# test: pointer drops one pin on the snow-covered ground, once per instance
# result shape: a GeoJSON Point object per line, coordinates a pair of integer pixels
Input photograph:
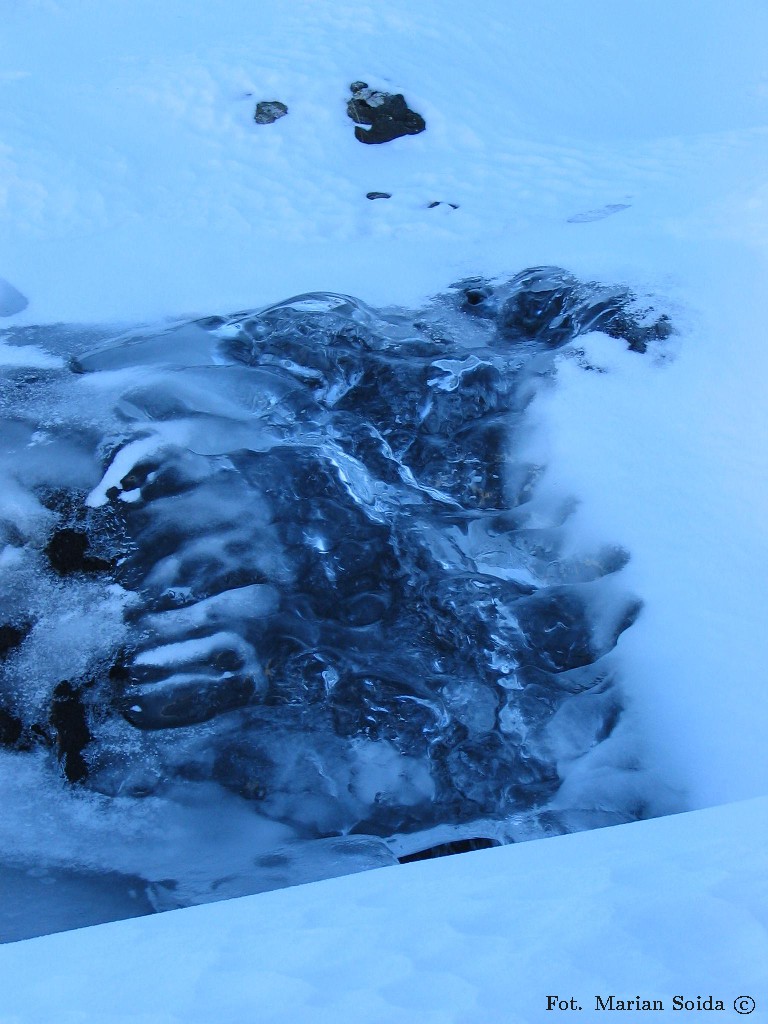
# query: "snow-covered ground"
{"type": "Point", "coordinates": [656, 909]}
{"type": "Point", "coordinates": [627, 142]}
{"type": "Point", "coordinates": [136, 185]}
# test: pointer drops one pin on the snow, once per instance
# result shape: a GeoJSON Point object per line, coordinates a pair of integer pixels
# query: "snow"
{"type": "Point", "coordinates": [136, 184]}
{"type": "Point", "coordinates": [673, 906]}
{"type": "Point", "coordinates": [31, 355]}
{"type": "Point", "coordinates": [671, 461]}
{"type": "Point", "coordinates": [625, 142]}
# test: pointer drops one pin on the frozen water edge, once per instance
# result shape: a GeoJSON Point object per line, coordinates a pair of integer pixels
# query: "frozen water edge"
{"type": "Point", "coordinates": [323, 580]}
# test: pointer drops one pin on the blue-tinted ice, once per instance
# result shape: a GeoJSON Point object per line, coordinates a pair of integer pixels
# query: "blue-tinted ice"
{"type": "Point", "coordinates": [293, 553]}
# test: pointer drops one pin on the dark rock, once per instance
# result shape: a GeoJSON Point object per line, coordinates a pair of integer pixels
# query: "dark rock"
{"type": "Point", "coordinates": [10, 728]}
{"type": "Point", "coordinates": [68, 718]}
{"type": "Point", "coordinates": [438, 202]}
{"type": "Point", "coordinates": [478, 297]}
{"type": "Point", "coordinates": [480, 302]}
{"type": "Point", "coordinates": [388, 115]}
{"type": "Point", "coordinates": [378, 195]}
{"type": "Point", "coordinates": [66, 551]}
{"type": "Point", "coordinates": [269, 111]}
{"type": "Point", "coordinates": [483, 771]}
{"type": "Point", "coordinates": [11, 636]}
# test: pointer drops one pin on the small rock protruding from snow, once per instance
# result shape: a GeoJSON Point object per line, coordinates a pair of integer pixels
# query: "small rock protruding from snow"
{"type": "Point", "coordinates": [11, 299]}
{"type": "Point", "coordinates": [378, 195]}
{"type": "Point", "coordinates": [269, 111]}
{"type": "Point", "coordinates": [11, 635]}
{"type": "Point", "coordinates": [387, 114]}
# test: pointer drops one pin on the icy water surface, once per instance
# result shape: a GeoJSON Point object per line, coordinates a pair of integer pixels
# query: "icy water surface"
{"type": "Point", "coordinates": [279, 599]}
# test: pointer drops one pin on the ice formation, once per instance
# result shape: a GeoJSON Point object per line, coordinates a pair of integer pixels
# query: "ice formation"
{"type": "Point", "coordinates": [291, 557]}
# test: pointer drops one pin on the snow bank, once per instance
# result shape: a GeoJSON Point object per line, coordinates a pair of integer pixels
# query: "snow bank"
{"type": "Point", "coordinates": [660, 908]}
{"type": "Point", "coordinates": [671, 458]}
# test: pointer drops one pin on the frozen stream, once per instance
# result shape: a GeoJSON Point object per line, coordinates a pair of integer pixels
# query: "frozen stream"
{"type": "Point", "coordinates": [280, 598]}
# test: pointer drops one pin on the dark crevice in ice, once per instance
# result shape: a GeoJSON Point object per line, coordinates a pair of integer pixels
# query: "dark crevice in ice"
{"type": "Point", "coordinates": [448, 849]}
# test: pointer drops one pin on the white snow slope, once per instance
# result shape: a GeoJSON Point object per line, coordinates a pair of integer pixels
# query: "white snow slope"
{"type": "Point", "coordinates": [670, 907]}
{"type": "Point", "coordinates": [625, 141]}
